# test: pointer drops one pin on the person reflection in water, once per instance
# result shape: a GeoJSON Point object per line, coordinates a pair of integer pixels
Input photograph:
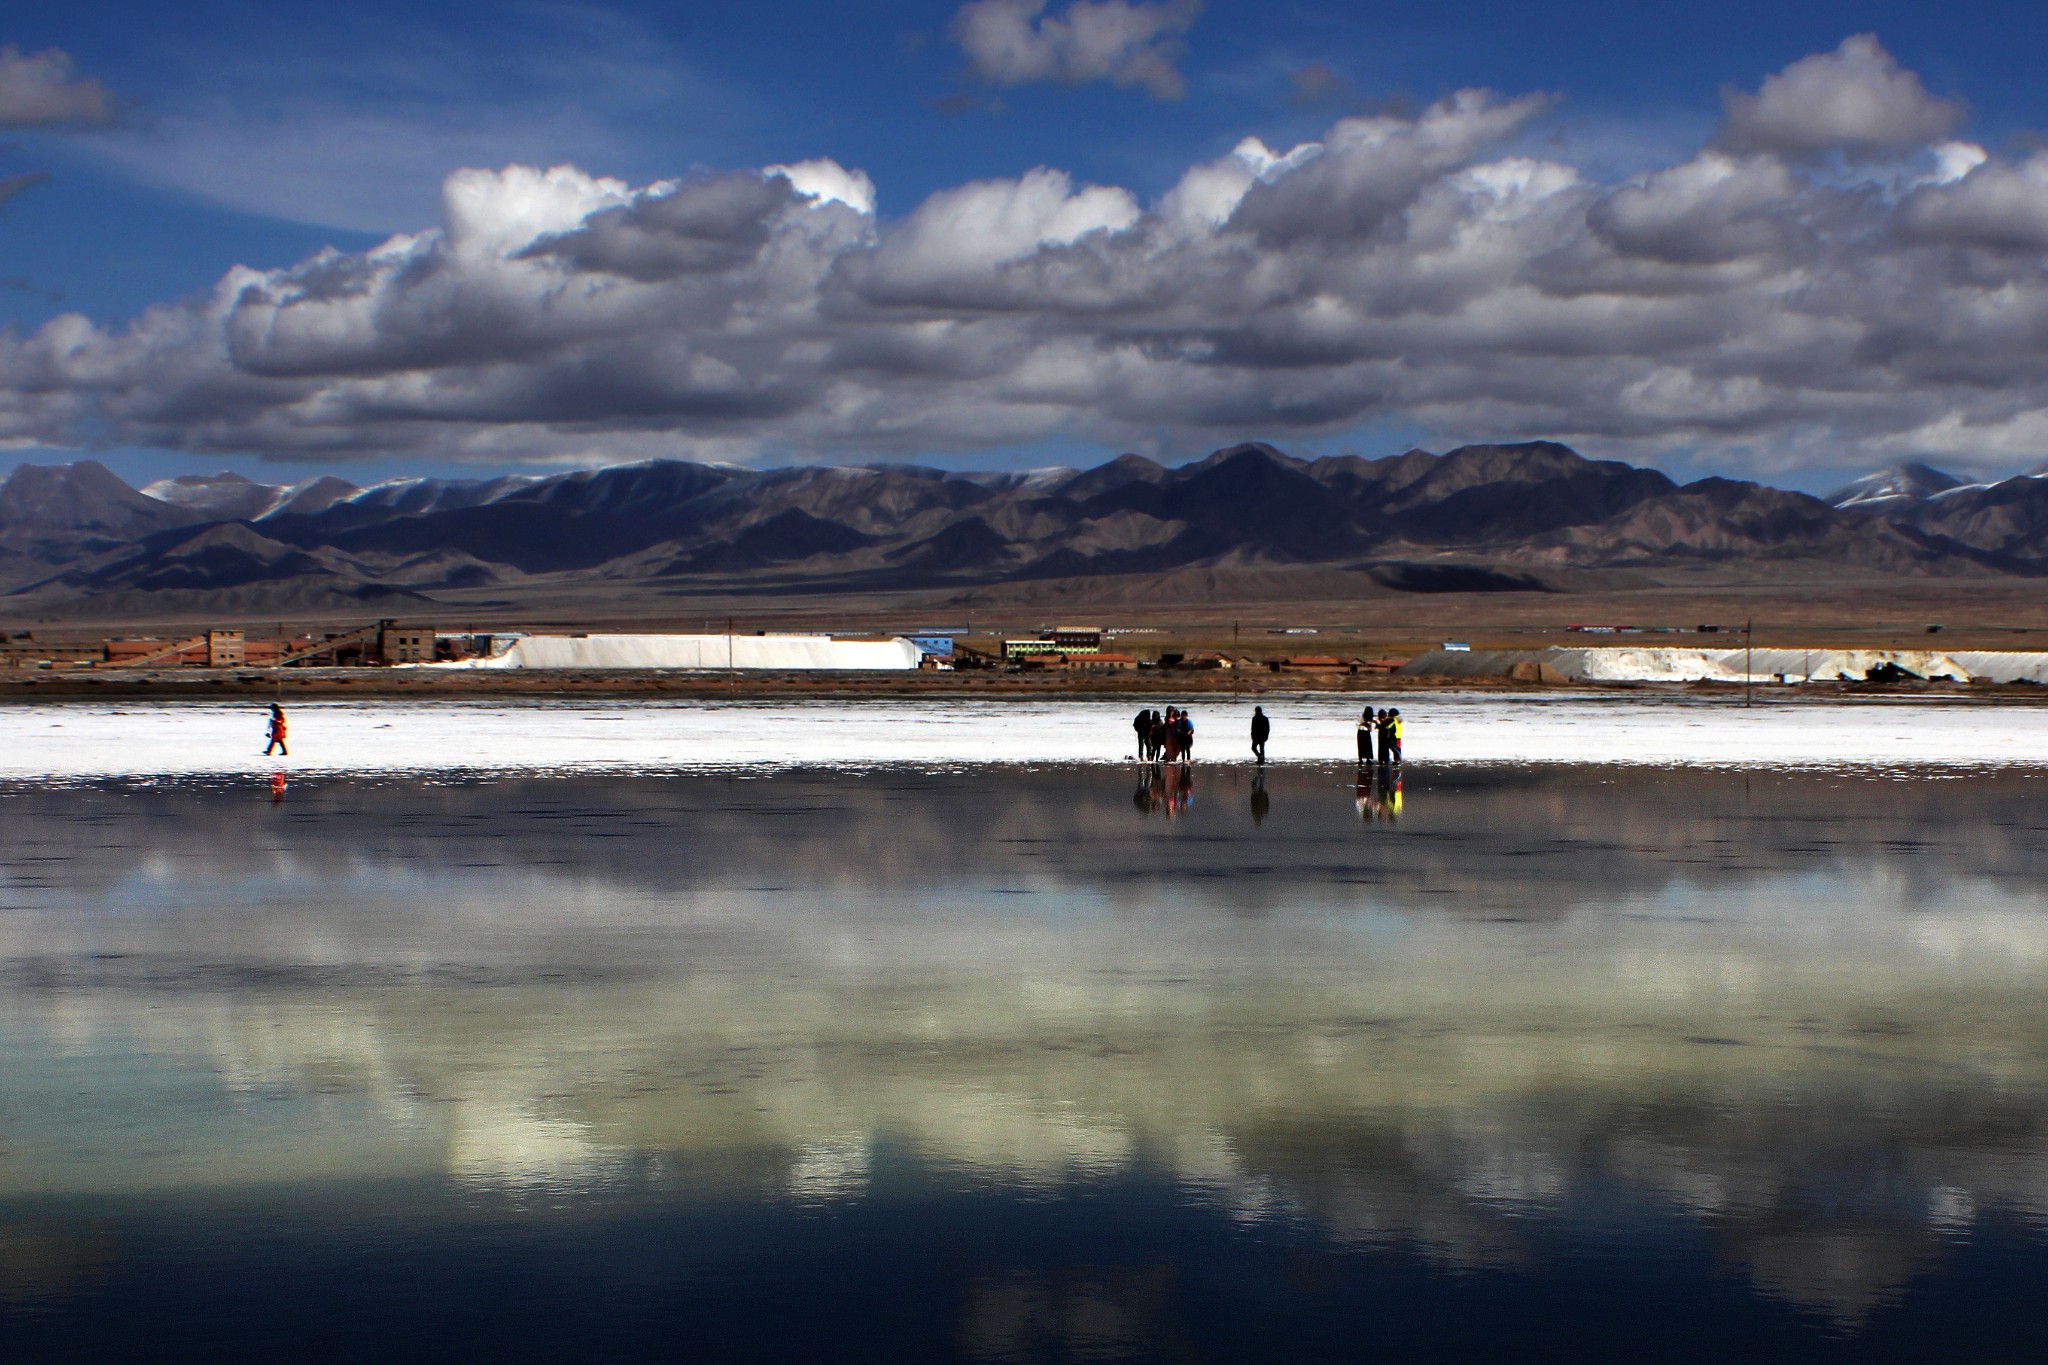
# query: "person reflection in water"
{"type": "Point", "coordinates": [277, 789]}
{"type": "Point", "coordinates": [1377, 794]}
{"type": "Point", "coordinates": [1165, 783]}
{"type": "Point", "coordinates": [1151, 790]}
{"type": "Point", "coordinates": [1261, 803]}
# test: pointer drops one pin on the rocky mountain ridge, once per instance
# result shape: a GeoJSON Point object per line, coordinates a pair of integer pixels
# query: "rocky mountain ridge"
{"type": "Point", "coordinates": [1524, 517]}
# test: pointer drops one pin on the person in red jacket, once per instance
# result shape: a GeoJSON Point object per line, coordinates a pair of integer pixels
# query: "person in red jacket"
{"type": "Point", "coordinates": [276, 732]}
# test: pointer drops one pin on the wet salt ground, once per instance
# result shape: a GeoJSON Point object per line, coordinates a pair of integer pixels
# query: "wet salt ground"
{"type": "Point", "coordinates": [1564, 1062]}
{"type": "Point", "coordinates": [69, 741]}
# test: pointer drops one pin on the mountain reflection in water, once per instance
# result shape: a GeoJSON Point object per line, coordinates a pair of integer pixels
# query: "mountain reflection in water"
{"type": "Point", "coordinates": [1794, 1025]}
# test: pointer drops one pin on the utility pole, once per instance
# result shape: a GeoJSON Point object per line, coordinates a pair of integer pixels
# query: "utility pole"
{"type": "Point", "coordinates": [1748, 672]}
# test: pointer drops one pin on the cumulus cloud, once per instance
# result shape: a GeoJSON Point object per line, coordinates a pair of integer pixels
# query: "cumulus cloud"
{"type": "Point", "coordinates": [1014, 42]}
{"type": "Point", "coordinates": [1420, 270]}
{"type": "Point", "coordinates": [1999, 206]}
{"type": "Point", "coordinates": [1713, 208]}
{"type": "Point", "coordinates": [39, 89]}
{"type": "Point", "coordinates": [1856, 100]}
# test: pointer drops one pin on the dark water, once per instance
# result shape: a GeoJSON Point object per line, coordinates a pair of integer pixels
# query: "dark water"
{"type": "Point", "coordinates": [1542, 1065]}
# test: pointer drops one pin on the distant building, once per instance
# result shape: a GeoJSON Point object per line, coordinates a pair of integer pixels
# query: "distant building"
{"type": "Point", "coordinates": [152, 652]}
{"type": "Point", "coordinates": [24, 652]}
{"type": "Point", "coordinates": [226, 649]}
{"type": "Point", "coordinates": [1062, 640]}
{"type": "Point", "coordinates": [405, 644]}
{"type": "Point", "coordinates": [1076, 639]}
{"type": "Point", "coordinates": [1098, 662]}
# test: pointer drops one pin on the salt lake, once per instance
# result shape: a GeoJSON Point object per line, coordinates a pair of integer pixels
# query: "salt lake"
{"type": "Point", "coordinates": [718, 1053]}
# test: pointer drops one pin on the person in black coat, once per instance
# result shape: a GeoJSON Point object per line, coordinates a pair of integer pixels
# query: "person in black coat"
{"type": "Point", "coordinates": [1261, 728]}
{"type": "Point", "coordinates": [1143, 725]}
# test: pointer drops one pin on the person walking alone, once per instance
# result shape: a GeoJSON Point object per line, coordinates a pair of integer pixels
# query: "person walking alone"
{"type": "Point", "coordinates": [1261, 727]}
{"type": "Point", "coordinates": [277, 728]}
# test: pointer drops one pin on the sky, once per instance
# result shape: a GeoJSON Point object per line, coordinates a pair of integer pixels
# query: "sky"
{"type": "Point", "coordinates": [1784, 241]}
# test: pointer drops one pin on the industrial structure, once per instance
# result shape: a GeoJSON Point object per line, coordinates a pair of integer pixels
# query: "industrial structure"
{"type": "Point", "coordinates": [1066, 642]}
{"type": "Point", "coordinates": [380, 642]}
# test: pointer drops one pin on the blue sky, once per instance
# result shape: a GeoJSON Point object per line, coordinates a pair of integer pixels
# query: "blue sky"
{"type": "Point", "coordinates": [257, 135]}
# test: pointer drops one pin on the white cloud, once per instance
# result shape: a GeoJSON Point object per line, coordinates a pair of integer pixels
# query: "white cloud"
{"type": "Point", "coordinates": [1207, 195]}
{"type": "Point", "coordinates": [2002, 206]}
{"type": "Point", "coordinates": [39, 89]}
{"type": "Point", "coordinates": [1014, 42]}
{"type": "Point", "coordinates": [1857, 100]}
{"type": "Point", "coordinates": [828, 180]}
{"type": "Point", "coordinates": [1954, 160]}
{"type": "Point", "coordinates": [1412, 272]}
{"type": "Point", "coordinates": [486, 212]}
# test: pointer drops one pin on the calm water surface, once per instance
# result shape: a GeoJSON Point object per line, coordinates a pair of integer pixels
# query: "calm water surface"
{"type": "Point", "coordinates": [1562, 1064]}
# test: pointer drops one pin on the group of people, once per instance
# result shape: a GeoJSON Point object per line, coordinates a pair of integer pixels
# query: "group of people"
{"type": "Point", "coordinates": [1379, 737]}
{"type": "Point", "coordinates": [1169, 738]}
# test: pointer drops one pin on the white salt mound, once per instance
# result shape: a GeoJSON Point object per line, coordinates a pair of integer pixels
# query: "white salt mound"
{"type": "Point", "coordinates": [1651, 663]}
{"type": "Point", "coordinates": [704, 652]}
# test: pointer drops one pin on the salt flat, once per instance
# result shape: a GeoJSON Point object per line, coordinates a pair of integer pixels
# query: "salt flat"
{"type": "Point", "coordinates": [59, 741]}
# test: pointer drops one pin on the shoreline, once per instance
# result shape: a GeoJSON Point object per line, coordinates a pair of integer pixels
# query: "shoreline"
{"type": "Point", "coordinates": [28, 686]}
{"type": "Point", "coordinates": [74, 739]}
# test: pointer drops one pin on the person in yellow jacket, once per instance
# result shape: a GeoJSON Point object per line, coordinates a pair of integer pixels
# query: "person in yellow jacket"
{"type": "Point", "coordinates": [1391, 751]}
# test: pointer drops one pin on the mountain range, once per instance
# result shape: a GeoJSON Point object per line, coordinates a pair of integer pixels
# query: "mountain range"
{"type": "Point", "coordinates": [1535, 516]}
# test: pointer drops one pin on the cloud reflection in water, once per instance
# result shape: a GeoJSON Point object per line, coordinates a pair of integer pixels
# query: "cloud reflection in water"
{"type": "Point", "coordinates": [1803, 1013]}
